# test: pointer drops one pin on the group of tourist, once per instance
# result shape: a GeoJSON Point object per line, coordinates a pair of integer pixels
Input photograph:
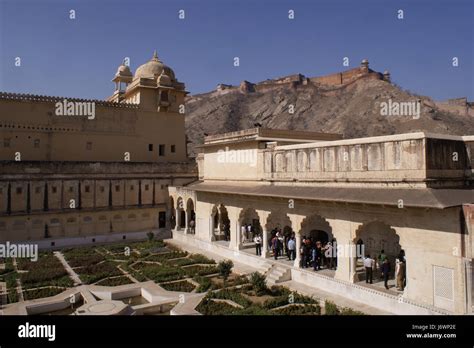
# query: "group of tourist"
{"type": "Point", "coordinates": [247, 232]}
{"type": "Point", "coordinates": [383, 264]}
{"type": "Point", "coordinates": [317, 254]}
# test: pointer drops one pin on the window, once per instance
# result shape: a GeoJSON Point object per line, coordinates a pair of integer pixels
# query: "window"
{"type": "Point", "coordinates": [1, 190]}
{"type": "Point", "coordinates": [173, 148]}
{"type": "Point", "coordinates": [37, 190]}
{"type": "Point", "coordinates": [131, 187]}
{"type": "Point", "coordinates": [150, 147]}
{"type": "Point", "coordinates": [54, 189]}
{"type": "Point", "coordinates": [117, 188]}
{"type": "Point", "coordinates": [147, 187]}
{"type": "Point", "coordinates": [19, 190]}
{"type": "Point", "coordinates": [37, 143]}
{"type": "Point", "coordinates": [89, 145]}
{"type": "Point", "coordinates": [161, 151]}
{"type": "Point", "coordinates": [87, 188]}
{"type": "Point", "coordinates": [6, 142]}
{"type": "Point", "coordinates": [164, 96]}
{"type": "Point", "coordinates": [102, 189]}
{"type": "Point", "coordinates": [71, 189]}
{"type": "Point", "coordinates": [162, 187]}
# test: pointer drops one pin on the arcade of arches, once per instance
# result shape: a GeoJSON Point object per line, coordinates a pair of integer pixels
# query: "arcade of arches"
{"type": "Point", "coordinates": [225, 227]}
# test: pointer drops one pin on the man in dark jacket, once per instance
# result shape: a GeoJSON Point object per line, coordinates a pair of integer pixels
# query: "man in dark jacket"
{"type": "Point", "coordinates": [385, 271]}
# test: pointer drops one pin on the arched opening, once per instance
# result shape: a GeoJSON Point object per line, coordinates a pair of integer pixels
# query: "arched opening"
{"type": "Point", "coordinates": [191, 216]}
{"type": "Point", "coordinates": [319, 248]}
{"type": "Point", "coordinates": [279, 229]}
{"type": "Point", "coordinates": [379, 242]}
{"type": "Point", "coordinates": [220, 223]}
{"type": "Point", "coordinates": [249, 225]}
{"type": "Point", "coordinates": [180, 214]}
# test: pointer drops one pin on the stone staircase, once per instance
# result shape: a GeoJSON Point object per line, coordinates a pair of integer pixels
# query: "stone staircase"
{"type": "Point", "coordinates": [264, 267]}
{"type": "Point", "coordinates": [278, 274]}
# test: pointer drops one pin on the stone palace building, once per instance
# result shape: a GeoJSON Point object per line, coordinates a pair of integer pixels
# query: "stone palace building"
{"type": "Point", "coordinates": [71, 177]}
{"type": "Point", "coordinates": [408, 191]}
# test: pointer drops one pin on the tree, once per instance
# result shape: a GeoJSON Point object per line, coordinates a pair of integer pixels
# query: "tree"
{"type": "Point", "coordinates": [259, 283]}
{"type": "Point", "coordinates": [150, 236]}
{"type": "Point", "coordinates": [225, 269]}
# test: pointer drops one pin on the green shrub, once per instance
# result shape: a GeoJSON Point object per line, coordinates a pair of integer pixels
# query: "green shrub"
{"type": "Point", "coordinates": [182, 286]}
{"type": "Point", "coordinates": [299, 310]}
{"type": "Point", "coordinates": [161, 273]}
{"type": "Point", "coordinates": [117, 281]}
{"type": "Point", "coordinates": [204, 283]}
{"type": "Point", "coordinates": [232, 295]}
{"type": "Point", "coordinates": [209, 307]}
{"type": "Point", "coordinates": [288, 299]}
{"type": "Point", "coordinates": [166, 256]}
{"type": "Point", "coordinates": [41, 293]}
{"type": "Point", "coordinates": [93, 273]}
{"type": "Point", "coordinates": [350, 311]}
{"type": "Point", "coordinates": [259, 283]}
{"type": "Point", "coordinates": [331, 308]}
{"type": "Point", "coordinates": [8, 266]}
{"type": "Point", "coordinates": [199, 258]}
{"type": "Point", "coordinates": [150, 236]}
{"type": "Point", "coordinates": [200, 270]}
{"type": "Point", "coordinates": [225, 269]}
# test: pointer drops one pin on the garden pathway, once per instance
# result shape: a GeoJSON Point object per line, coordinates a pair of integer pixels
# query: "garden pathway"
{"type": "Point", "coordinates": [72, 274]}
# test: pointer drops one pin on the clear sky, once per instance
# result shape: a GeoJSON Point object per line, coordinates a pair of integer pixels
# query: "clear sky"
{"type": "Point", "coordinates": [78, 58]}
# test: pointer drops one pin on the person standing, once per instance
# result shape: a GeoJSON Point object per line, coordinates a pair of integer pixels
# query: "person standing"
{"type": "Point", "coordinates": [381, 260]}
{"type": "Point", "coordinates": [386, 272]}
{"type": "Point", "coordinates": [275, 243]}
{"type": "Point", "coordinates": [369, 264]}
{"type": "Point", "coordinates": [249, 232]}
{"type": "Point", "coordinates": [400, 272]}
{"type": "Point", "coordinates": [243, 231]}
{"type": "Point", "coordinates": [258, 244]}
{"type": "Point", "coordinates": [291, 249]}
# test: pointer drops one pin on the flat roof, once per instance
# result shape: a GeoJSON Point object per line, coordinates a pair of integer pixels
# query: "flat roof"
{"type": "Point", "coordinates": [412, 197]}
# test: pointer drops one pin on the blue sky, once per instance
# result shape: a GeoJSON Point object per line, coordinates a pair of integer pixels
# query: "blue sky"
{"type": "Point", "coordinates": [78, 58]}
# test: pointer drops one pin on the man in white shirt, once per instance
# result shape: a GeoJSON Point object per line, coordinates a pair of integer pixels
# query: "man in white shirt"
{"type": "Point", "coordinates": [369, 264]}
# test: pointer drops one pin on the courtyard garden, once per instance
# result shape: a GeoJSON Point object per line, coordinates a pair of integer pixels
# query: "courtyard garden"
{"type": "Point", "coordinates": [227, 293]}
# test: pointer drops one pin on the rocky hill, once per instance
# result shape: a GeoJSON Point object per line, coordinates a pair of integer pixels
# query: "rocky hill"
{"type": "Point", "coordinates": [353, 109]}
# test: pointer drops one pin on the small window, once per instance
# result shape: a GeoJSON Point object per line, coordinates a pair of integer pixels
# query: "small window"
{"type": "Point", "coordinates": [102, 189]}
{"type": "Point", "coordinates": [164, 96]}
{"type": "Point", "coordinates": [1, 190]}
{"type": "Point", "coordinates": [37, 143]}
{"type": "Point", "coordinates": [87, 188]}
{"type": "Point", "coordinates": [131, 187]}
{"type": "Point", "coordinates": [54, 189]}
{"type": "Point", "coordinates": [161, 150]}
{"type": "Point", "coordinates": [37, 190]}
{"type": "Point", "coordinates": [150, 147]}
{"type": "Point", "coordinates": [6, 142]}
{"type": "Point", "coordinates": [19, 190]}
{"type": "Point", "coordinates": [147, 187]}
{"type": "Point", "coordinates": [162, 187]}
{"type": "Point", "coordinates": [173, 148]}
{"type": "Point", "coordinates": [89, 145]}
{"type": "Point", "coordinates": [117, 188]}
{"type": "Point", "coordinates": [71, 189]}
